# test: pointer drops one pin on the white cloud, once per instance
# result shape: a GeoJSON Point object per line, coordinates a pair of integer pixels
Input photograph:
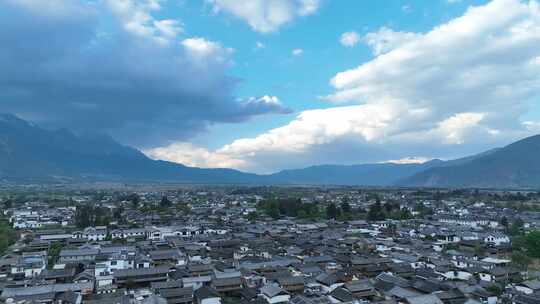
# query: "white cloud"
{"type": "Point", "coordinates": [266, 16]}
{"type": "Point", "coordinates": [264, 104]}
{"type": "Point", "coordinates": [533, 126]}
{"type": "Point", "coordinates": [169, 28]}
{"type": "Point", "coordinates": [409, 160]}
{"type": "Point", "coordinates": [137, 18]}
{"type": "Point", "coordinates": [259, 45]}
{"type": "Point", "coordinates": [349, 39]}
{"type": "Point", "coordinates": [194, 156]}
{"type": "Point", "coordinates": [297, 52]}
{"type": "Point", "coordinates": [455, 128]}
{"type": "Point", "coordinates": [204, 52]}
{"type": "Point", "coordinates": [386, 40]}
{"type": "Point", "coordinates": [458, 89]}
{"type": "Point", "coordinates": [144, 82]}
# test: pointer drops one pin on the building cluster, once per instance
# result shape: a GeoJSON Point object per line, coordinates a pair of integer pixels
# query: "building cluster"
{"type": "Point", "coordinates": [460, 254]}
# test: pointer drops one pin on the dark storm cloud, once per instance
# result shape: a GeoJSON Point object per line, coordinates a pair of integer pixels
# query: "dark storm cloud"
{"type": "Point", "coordinates": [74, 64]}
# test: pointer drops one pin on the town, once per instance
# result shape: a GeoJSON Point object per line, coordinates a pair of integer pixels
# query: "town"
{"type": "Point", "coordinates": [224, 244]}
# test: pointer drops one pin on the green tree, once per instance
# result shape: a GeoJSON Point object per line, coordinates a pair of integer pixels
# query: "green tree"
{"type": "Point", "coordinates": [165, 202]}
{"type": "Point", "coordinates": [376, 212]}
{"type": "Point", "coordinates": [504, 222]}
{"type": "Point", "coordinates": [117, 215]}
{"type": "Point", "coordinates": [495, 289]}
{"type": "Point", "coordinates": [8, 236]}
{"type": "Point", "coordinates": [135, 200]}
{"type": "Point", "coordinates": [520, 259]}
{"type": "Point", "coordinates": [332, 211]}
{"type": "Point", "coordinates": [8, 203]}
{"type": "Point", "coordinates": [54, 253]}
{"type": "Point", "coordinates": [531, 242]}
{"type": "Point", "coordinates": [273, 210]}
{"type": "Point", "coordinates": [252, 216]}
{"type": "Point", "coordinates": [516, 227]}
{"type": "Point", "coordinates": [346, 207]}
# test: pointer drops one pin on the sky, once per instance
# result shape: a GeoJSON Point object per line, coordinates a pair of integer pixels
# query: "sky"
{"type": "Point", "coordinates": [267, 85]}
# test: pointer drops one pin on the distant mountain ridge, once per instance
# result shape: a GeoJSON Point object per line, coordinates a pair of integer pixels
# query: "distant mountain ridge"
{"type": "Point", "coordinates": [514, 166]}
{"type": "Point", "coordinates": [382, 174]}
{"type": "Point", "coordinates": [30, 153]}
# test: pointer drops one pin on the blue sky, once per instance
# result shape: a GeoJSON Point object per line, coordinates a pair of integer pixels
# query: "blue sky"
{"type": "Point", "coordinates": [298, 81]}
{"type": "Point", "coordinates": [266, 85]}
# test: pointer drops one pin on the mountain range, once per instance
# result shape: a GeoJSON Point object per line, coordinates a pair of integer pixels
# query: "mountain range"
{"type": "Point", "coordinates": [31, 153]}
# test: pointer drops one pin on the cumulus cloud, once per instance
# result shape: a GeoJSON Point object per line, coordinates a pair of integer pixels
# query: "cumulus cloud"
{"type": "Point", "coordinates": [190, 155]}
{"type": "Point", "coordinates": [264, 104]}
{"type": "Point", "coordinates": [385, 40]}
{"type": "Point", "coordinates": [266, 16]}
{"type": "Point", "coordinates": [349, 39]}
{"type": "Point", "coordinates": [204, 52]}
{"type": "Point", "coordinates": [114, 66]}
{"type": "Point", "coordinates": [457, 89]}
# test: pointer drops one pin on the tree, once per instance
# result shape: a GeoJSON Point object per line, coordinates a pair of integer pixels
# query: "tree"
{"type": "Point", "coordinates": [520, 259]}
{"type": "Point", "coordinates": [135, 200]}
{"type": "Point", "coordinates": [83, 216]}
{"type": "Point", "coordinates": [8, 236]}
{"type": "Point", "coordinates": [8, 203]}
{"type": "Point", "coordinates": [515, 228]}
{"type": "Point", "coordinates": [87, 215]}
{"type": "Point", "coordinates": [376, 212]}
{"type": "Point", "coordinates": [346, 207]}
{"type": "Point", "coordinates": [504, 222]}
{"type": "Point", "coordinates": [54, 253]}
{"type": "Point", "coordinates": [252, 216]}
{"type": "Point", "coordinates": [531, 242]}
{"type": "Point", "coordinates": [165, 202]}
{"type": "Point", "coordinates": [273, 210]}
{"type": "Point", "coordinates": [117, 215]}
{"type": "Point", "coordinates": [331, 211]}
{"type": "Point", "coordinates": [494, 289]}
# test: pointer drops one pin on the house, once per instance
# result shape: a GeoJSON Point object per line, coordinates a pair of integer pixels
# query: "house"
{"type": "Point", "coordinates": [177, 295]}
{"type": "Point", "coordinates": [274, 294]}
{"type": "Point", "coordinates": [227, 285]}
{"type": "Point", "coordinates": [140, 276]}
{"type": "Point", "coordinates": [496, 239]}
{"type": "Point", "coordinates": [528, 287]}
{"type": "Point", "coordinates": [292, 284]}
{"type": "Point", "coordinates": [525, 299]}
{"type": "Point", "coordinates": [168, 256]}
{"type": "Point", "coordinates": [44, 292]}
{"type": "Point", "coordinates": [340, 295]}
{"type": "Point", "coordinates": [137, 233]}
{"type": "Point", "coordinates": [361, 289]}
{"type": "Point", "coordinates": [206, 295]}
{"type": "Point", "coordinates": [30, 264]}
{"type": "Point", "coordinates": [328, 282]}
{"type": "Point", "coordinates": [98, 233]}
{"type": "Point", "coordinates": [78, 255]}
{"type": "Point", "coordinates": [424, 299]}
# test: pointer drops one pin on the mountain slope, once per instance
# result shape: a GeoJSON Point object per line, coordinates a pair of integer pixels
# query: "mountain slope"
{"type": "Point", "coordinates": [383, 174]}
{"type": "Point", "coordinates": [514, 166]}
{"type": "Point", "coordinates": [29, 152]}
